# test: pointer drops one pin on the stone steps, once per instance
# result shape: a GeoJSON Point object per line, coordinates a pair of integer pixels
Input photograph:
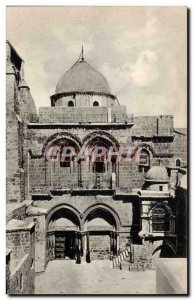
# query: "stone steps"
{"type": "Point", "coordinates": [121, 257]}
{"type": "Point", "coordinates": [134, 258]}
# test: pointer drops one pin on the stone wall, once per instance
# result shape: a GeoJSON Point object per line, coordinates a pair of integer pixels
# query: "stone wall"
{"type": "Point", "coordinates": [8, 271]}
{"type": "Point", "coordinates": [128, 176]}
{"type": "Point", "coordinates": [179, 146]}
{"type": "Point", "coordinates": [22, 264]}
{"type": "Point", "coordinates": [14, 179]}
{"type": "Point", "coordinates": [182, 221]}
{"type": "Point", "coordinates": [149, 126]}
{"type": "Point", "coordinates": [19, 108]}
{"type": "Point", "coordinates": [22, 278]}
{"type": "Point", "coordinates": [40, 244]}
{"type": "Point", "coordinates": [20, 242]}
{"type": "Point", "coordinates": [99, 246]}
{"type": "Point", "coordinates": [114, 114]}
{"type": "Point", "coordinates": [143, 254]}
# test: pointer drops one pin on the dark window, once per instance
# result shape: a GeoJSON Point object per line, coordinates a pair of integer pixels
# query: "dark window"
{"type": "Point", "coordinates": [160, 220]}
{"type": "Point", "coordinates": [95, 103]}
{"type": "Point", "coordinates": [144, 158]}
{"type": "Point", "coordinates": [65, 160]}
{"type": "Point", "coordinates": [70, 103]}
{"type": "Point", "coordinates": [161, 188]}
{"type": "Point", "coordinates": [64, 164]}
{"type": "Point", "coordinates": [15, 59]}
{"type": "Point", "coordinates": [178, 163]}
{"type": "Point", "coordinates": [98, 167]}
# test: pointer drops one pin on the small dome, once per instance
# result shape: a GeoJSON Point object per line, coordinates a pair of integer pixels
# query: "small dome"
{"type": "Point", "coordinates": [157, 173]}
{"type": "Point", "coordinates": [81, 77]}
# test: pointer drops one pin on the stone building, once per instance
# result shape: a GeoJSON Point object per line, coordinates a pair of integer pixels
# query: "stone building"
{"type": "Point", "coordinates": [121, 203]}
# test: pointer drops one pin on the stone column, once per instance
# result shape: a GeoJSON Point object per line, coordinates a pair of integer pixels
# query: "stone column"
{"type": "Point", "coordinates": [81, 245]}
{"type": "Point", "coordinates": [51, 245]}
{"type": "Point", "coordinates": [88, 248]}
{"type": "Point", "coordinates": [79, 175]}
{"type": "Point", "coordinates": [77, 247]}
{"type": "Point", "coordinates": [115, 244]}
{"type": "Point", "coordinates": [111, 245]}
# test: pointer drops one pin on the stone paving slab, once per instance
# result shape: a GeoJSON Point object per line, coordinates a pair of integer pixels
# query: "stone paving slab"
{"type": "Point", "coordinates": [66, 277]}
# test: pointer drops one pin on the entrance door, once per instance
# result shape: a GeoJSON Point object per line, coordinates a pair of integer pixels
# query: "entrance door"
{"type": "Point", "coordinates": [65, 245]}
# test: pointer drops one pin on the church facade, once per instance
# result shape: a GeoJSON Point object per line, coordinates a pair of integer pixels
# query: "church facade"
{"type": "Point", "coordinates": [86, 180]}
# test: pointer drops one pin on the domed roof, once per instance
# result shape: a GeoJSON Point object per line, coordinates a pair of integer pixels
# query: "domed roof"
{"type": "Point", "coordinates": [157, 173]}
{"type": "Point", "coordinates": [81, 77]}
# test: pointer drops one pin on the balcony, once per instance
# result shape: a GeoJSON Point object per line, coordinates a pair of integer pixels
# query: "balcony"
{"type": "Point", "coordinates": [94, 184]}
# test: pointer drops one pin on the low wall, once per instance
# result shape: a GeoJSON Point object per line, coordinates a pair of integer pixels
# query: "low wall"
{"type": "Point", "coordinates": [22, 278]}
{"type": "Point", "coordinates": [171, 276]}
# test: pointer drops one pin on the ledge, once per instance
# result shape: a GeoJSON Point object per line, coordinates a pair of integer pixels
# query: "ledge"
{"type": "Point", "coordinates": [19, 225]}
{"type": "Point", "coordinates": [79, 125]}
{"type": "Point", "coordinates": [153, 194]}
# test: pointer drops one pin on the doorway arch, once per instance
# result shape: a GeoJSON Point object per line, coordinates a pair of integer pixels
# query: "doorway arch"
{"type": "Point", "coordinates": [63, 233]}
{"type": "Point", "coordinates": [101, 224]}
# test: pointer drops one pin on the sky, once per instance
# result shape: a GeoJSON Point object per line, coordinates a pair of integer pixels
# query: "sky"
{"type": "Point", "coordinates": [140, 50]}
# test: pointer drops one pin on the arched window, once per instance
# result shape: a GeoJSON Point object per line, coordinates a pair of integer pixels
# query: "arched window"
{"type": "Point", "coordinates": [95, 103]}
{"type": "Point", "coordinates": [160, 219]}
{"type": "Point", "coordinates": [144, 161]}
{"type": "Point", "coordinates": [178, 162]}
{"type": "Point", "coordinates": [70, 103]}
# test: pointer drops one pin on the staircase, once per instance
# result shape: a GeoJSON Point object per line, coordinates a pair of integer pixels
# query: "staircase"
{"type": "Point", "coordinates": [116, 262]}
{"type": "Point", "coordinates": [133, 258]}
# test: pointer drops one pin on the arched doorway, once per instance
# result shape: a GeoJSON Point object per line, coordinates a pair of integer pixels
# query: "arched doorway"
{"type": "Point", "coordinates": [100, 226]}
{"type": "Point", "coordinates": [64, 240]}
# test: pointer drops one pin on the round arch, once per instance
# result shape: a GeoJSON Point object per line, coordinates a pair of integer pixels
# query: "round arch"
{"type": "Point", "coordinates": [100, 134]}
{"type": "Point", "coordinates": [66, 207]}
{"type": "Point", "coordinates": [58, 136]}
{"type": "Point", "coordinates": [146, 147]}
{"type": "Point", "coordinates": [101, 206]}
{"type": "Point", "coordinates": [178, 162]}
{"type": "Point", "coordinates": [160, 205]}
{"type": "Point", "coordinates": [165, 248]}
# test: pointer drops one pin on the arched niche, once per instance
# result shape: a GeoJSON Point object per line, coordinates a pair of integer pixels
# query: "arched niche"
{"type": "Point", "coordinates": [63, 214]}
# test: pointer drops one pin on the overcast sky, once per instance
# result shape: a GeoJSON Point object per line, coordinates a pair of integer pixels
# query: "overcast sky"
{"type": "Point", "coordinates": [141, 52]}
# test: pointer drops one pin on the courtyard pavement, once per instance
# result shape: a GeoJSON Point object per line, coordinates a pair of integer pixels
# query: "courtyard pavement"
{"type": "Point", "coordinates": [67, 277]}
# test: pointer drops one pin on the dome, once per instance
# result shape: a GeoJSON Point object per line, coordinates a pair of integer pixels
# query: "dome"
{"type": "Point", "coordinates": [81, 77]}
{"type": "Point", "coordinates": [157, 173]}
